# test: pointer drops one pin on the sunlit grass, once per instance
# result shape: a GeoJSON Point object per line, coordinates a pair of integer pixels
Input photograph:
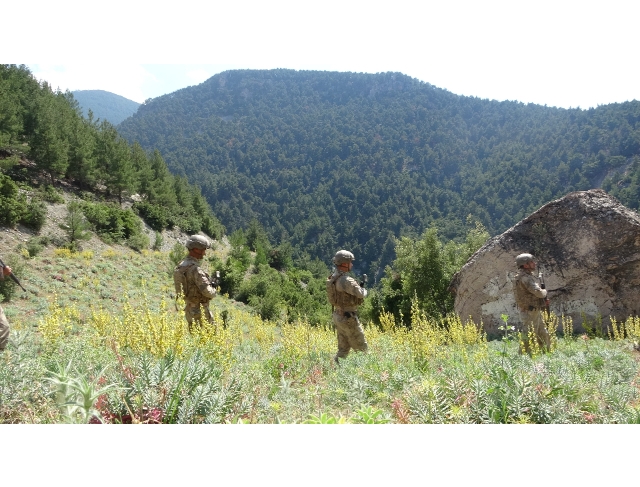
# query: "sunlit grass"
{"type": "Point", "coordinates": [104, 329]}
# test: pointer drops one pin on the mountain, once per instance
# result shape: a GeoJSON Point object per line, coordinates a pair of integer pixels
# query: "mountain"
{"type": "Point", "coordinates": [105, 105]}
{"type": "Point", "coordinates": [331, 160]}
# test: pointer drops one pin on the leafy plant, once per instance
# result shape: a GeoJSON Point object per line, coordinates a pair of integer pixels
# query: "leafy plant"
{"type": "Point", "coordinates": [76, 396]}
{"type": "Point", "coordinates": [370, 415]}
{"type": "Point", "coordinates": [324, 418]}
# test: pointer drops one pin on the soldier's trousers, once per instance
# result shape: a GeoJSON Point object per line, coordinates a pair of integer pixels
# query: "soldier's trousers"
{"type": "Point", "coordinates": [532, 320]}
{"type": "Point", "coordinates": [4, 330]}
{"type": "Point", "coordinates": [196, 313]}
{"type": "Point", "coordinates": [349, 331]}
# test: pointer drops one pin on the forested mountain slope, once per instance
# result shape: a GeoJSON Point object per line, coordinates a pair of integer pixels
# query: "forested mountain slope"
{"type": "Point", "coordinates": [105, 105]}
{"type": "Point", "coordinates": [329, 160]}
{"type": "Point", "coordinates": [44, 130]}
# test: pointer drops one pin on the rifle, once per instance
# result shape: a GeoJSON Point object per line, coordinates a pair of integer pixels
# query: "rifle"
{"type": "Point", "coordinates": [363, 282]}
{"type": "Point", "coordinates": [15, 279]}
{"type": "Point", "coordinates": [215, 281]}
{"type": "Point", "coordinates": [543, 286]}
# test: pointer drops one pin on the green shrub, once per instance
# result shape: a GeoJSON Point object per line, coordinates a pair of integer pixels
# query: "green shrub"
{"type": "Point", "coordinates": [268, 307]}
{"type": "Point", "coordinates": [155, 216]}
{"type": "Point", "coordinates": [112, 223]}
{"type": "Point", "coordinates": [35, 214]}
{"type": "Point", "coordinates": [187, 223]}
{"type": "Point", "coordinates": [138, 241]}
{"type": "Point", "coordinates": [8, 163]}
{"type": "Point", "coordinates": [157, 244]}
{"type": "Point", "coordinates": [36, 245]}
{"type": "Point", "coordinates": [12, 203]}
{"type": "Point", "coordinates": [231, 277]}
{"type": "Point", "coordinates": [280, 257]}
{"type": "Point", "coordinates": [49, 194]}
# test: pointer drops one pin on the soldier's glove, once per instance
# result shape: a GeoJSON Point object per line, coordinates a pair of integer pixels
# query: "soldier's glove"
{"type": "Point", "coordinates": [543, 286]}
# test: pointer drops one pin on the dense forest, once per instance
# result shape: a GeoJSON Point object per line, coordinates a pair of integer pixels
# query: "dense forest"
{"type": "Point", "coordinates": [45, 127]}
{"type": "Point", "coordinates": [326, 160]}
{"type": "Point", "coordinates": [105, 105]}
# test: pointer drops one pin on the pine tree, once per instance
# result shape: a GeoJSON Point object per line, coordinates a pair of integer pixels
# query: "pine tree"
{"type": "Point", "coordinates": [49, 146]}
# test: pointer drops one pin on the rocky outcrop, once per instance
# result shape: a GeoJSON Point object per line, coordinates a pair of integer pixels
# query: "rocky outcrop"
{"type": "Point", "coordinates": [587, 246]}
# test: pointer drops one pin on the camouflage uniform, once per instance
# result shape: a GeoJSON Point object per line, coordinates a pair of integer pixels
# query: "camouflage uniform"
{"type": "Point", "coordinates": [4, 330]}
{"type": "Point", "coordinates": [195, 286]}
{"type": "Point", "coordinates": [530, 299]}
{"type": "Point", "coordinates": [345, 317]}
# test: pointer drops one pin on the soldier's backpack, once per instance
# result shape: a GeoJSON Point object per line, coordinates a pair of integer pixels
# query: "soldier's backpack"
{"type": "Point", "coordinates": [332, 292]}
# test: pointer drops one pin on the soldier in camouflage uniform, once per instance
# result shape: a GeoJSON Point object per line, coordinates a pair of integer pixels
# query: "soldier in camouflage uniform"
{"type": "Point", "coordinates": [531, 301]}
{"type": "Point", "coordinates": [345, 295]}
{"type": "Point", "coordinates": [4, 323]}
{"type": "Point", "coordinates": [193, 283]}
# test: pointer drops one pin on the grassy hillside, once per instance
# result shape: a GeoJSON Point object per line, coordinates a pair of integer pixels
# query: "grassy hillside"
{"type": "Point", "coordinates": [96, 339]}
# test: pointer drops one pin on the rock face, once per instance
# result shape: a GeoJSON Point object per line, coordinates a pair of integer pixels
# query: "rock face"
{"type": "Point", "coordinates": [587, 246]}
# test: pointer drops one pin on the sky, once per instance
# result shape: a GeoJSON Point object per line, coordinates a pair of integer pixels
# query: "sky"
{"type": "Point", "coordinates": [554, 53]}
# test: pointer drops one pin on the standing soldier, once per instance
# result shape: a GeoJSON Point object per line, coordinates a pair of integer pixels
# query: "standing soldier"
{"type": "Point", "coordinates": [345, 295]}
{"type": "Point", "coordinates": [4, 323]}
{"type": "Point", "coordinates": [193, 283]}
{"type": "Point", "coordinates": [531, 301]}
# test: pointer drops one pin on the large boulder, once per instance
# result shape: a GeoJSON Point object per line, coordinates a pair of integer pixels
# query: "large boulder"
{"type": "Point", "coordinates": [587, 245]}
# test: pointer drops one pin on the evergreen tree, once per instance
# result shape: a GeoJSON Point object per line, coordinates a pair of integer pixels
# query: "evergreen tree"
{"type": "Point", "coordinates": [142, 168]}
{"type": "Point", "coordinates": [114, 160]}
{"type": "Point", "coordinates": [49, 146]}
{"type": "Point", "coordinates": [82, 162]}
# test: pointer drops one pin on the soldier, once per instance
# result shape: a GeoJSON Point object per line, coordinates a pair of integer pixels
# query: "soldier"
{"type": "Point", "coordinates": [531, 301]}
{"type": "Point", "coordinates": [345, 295]}
{"type": "Point", "coordinates": [4, 323]}
{"type": "Point", "coordinates": [193, 283]}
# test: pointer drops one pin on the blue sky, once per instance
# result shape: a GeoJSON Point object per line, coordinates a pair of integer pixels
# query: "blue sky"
{"type": "Point", "coordinates": [555, 53]}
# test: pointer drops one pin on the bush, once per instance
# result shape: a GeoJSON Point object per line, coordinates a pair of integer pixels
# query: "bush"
{"type": "Point", "coordinates": [35, 214]}
{"type": "Point", "coordinates": [12, 204]}
{"type": "Point", "coordinates": [268, 306]}
{"type": "Point", "coordinates": [112, 223]}
{"type": "Point", "coordinates": [280, 257]}
{"type": "Point", "coordinates": [36, 245]}
{"type": "Point", "coordinates": [49, 194]}
{"type": "Point", "coordinates": [138, 241]}
{"type": "Point", "coordinates": [155, 216]}
{"type": "Point", "coordinates": [187, 223]}
{"type": "Point", "coordinates": [157, 244]}
{"type": "Point", "coordinates": [231, 276]}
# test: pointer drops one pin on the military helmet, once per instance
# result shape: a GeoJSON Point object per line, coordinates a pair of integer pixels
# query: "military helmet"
{"type": "Point", "coordinates": [523, 259]}
{"type": "Point", "coordinates": [343, 257]}
{"type": "Point", "coordinates": [198, 242]}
